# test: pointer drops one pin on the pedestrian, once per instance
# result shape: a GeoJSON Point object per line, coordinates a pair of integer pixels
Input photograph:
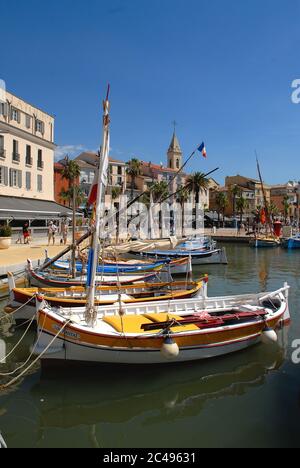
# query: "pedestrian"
{"type": "Point", "coordinates": [64, 232]}
{"type": "Point", "coordinates": [52, 230]}
{"type": "Point", "coordinates": [26, 234]}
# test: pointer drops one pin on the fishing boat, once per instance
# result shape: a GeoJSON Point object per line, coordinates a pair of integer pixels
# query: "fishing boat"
{"type": "Point", "coordinates": [161, 332]}
{"type": "Point", "coordinates": [117, 267]}
{"type": "Point", "coordinates": [46, 278]}
{"type": "Point", "coordinates": [268, 239]}
{"type": "Point", "coordinates": [112, 268]}
{"type": "Point", "coordinates": [198, 243]}
{"type": "Point", "coordinates": [264, 242]}
{"type": "Point", "coordinates": [198, 256]}
{"type": "Point", "coordinates": [23, 308]}
{"type": "Point", "coordinates": [292, 243]}
{"type": "Point", "coordinates": [153, 333]}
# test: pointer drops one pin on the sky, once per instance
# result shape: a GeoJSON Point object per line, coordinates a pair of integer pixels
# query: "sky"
{"type": "Point", "coordinates": [222, 69]}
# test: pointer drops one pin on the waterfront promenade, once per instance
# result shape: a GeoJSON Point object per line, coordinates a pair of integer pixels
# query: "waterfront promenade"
{"type": "Point", "coordinates": [14, 259]}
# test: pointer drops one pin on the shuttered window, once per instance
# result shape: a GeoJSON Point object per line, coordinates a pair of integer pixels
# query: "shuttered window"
{"type": "Point", "coordinates": [28, 181]}
{"type": "Point", "coordinates": [39, 183]}
{"type": "Point", "coordinates": [3, 175]}
{"type": "Point", "coordinates": [15, 178]}
{"type": "Point", "coordinates": [15, 115]}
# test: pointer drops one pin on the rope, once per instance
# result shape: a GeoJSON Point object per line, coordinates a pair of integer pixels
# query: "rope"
{"type": "Point", "coordinates": [3, 387]}
{"type": "Point", "coordinates": [20, 340]}
{"type": "Point", "coordinates": [17, 310]}
{"type": "Point", "coordinates": [30, 356]}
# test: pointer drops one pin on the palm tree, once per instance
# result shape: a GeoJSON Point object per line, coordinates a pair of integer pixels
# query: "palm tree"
{"type": "Point", "coordinates": [182, 199]}
{"type": "Point", "coordinates": [235, 192]}
{"type": "Point", "coordinates": [159, 191]}
{"type": "Point", "coordinates": [286, 207]}
{"type": "Point", "coordinates": [222, 203]}
{"type": "Point", "coordinates": [197, 183]}
{"type": "Point", "coordinates": [241, 205]}
{"type": "Point", "coordinates": [133, 170]}
{"type": "Point", "coordinates": [71, 172]}
{"type": "Point", "coordinates": [67, 196]}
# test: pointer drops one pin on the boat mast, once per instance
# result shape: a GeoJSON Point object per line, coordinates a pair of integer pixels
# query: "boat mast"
{"type": "Point", "coordinates": [91, 313]}
{"type": "Point", "coordinates": [265, 197]}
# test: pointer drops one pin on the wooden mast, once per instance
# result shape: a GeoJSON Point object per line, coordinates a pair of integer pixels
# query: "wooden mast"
{"type": "Point", "coordinates": [265, 198]}
{"type": "Point", "coordinates": [91, 313]}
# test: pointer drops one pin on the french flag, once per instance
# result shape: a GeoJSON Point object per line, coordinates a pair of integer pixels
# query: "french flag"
{"type": "Point", "coordinates": [202, 150]}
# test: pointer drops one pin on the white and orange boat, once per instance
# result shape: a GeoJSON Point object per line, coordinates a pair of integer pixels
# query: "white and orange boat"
{"type": "Point", "coordinates": [161, 332]}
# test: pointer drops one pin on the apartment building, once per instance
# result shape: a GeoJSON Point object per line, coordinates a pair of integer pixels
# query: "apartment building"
{"type": "Point", "coordinates": [251, 189]}
{"type": "Point", "coordinates": [26, 150]}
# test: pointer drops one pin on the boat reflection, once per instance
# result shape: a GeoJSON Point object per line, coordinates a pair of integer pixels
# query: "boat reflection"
{"type": "Point", "coordinates": [118, 394]}
{"type": "Point", "coordinates": [78, 400]}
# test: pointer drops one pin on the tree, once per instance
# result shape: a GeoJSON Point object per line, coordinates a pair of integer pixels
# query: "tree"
{"type": "Point", "coordinates": [159, 191]}
{"type": "Point", "coordinates": [236, 193]}
{"type": "Point", "coordinates": [182, 199]}
{"type": "Point", "coordinates": [241, 205]}
{"type": "Point", "coordinates": [71, 172]}
{"type": "Point", "coordinates": [286, 207]}
{"type": "Point", "coordinates": [67, 196]}
{"type": "Point", "coordinates": [133, 170]}
{"type": "Point", "coordinates": [222, 203]}
{"type": "Point", "coordinates": [197, 183]}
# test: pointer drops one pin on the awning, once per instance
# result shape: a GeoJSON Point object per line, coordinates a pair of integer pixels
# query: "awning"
{"type": "Point", "coordinates": [30, 208]}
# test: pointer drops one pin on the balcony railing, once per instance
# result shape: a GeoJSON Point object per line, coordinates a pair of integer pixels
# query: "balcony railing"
{"type": "Point", "coordinates": [40, 164]}
{"type": "Point", "coordinates": [16, 157]}
{"type": "Point", "coordinates": [29, 161]}
{"type": "Point", "coordinates": [2, 153]}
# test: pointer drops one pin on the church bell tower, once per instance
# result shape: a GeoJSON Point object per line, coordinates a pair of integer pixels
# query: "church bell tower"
{"type": "Point", "coordinates": [174, 154]}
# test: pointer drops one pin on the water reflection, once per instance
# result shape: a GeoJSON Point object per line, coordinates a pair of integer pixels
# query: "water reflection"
{"type": "Point", "coordinates": [94, 397]}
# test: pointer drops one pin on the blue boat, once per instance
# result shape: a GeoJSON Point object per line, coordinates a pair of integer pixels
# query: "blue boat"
{"type": "Point", "coordinates": [114, 269]}
{"type": "Point", "coordinates": [198, 257]}
{"type": "Point", "coordinates": [292, 243]}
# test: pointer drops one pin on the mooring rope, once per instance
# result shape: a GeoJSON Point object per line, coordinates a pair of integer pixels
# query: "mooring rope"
{"type": "Point", "coordinates": [17, 310]}
{"type": "Point", "coordinates": [3, 387]}
{"type": "Point", "coordinates": [19, 342]}
{"type": "Point", "coordinates": [30, 356]}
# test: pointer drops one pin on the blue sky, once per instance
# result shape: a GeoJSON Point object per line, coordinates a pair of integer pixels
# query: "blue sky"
{"type": "Point", "coordinates": [221, 68]}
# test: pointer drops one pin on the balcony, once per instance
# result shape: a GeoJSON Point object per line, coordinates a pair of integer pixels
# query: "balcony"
{"type": "Point", "coordinates": [2, 153]}
{"type": "Point", "coordinates": [16, 157]}
{"type": "Point", "coordinates": [29, 162]}
{"type": "Point", "coordinates": [40, 165]}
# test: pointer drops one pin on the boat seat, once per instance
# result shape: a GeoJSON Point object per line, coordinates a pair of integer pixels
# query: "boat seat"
{"type": "Point", "coordinates": [131, 323]}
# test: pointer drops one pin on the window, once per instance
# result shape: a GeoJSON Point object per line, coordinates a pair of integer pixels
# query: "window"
{"type": "Point", "coordinates": [28, 181]}
{"type": "Point", "coordinates": [15, 115]}
{"type": "Point", "coordinates": [177, 163]}
{"type": "Point", "coordinates": [2, 151]}
{"type": "Point", "coordinates": [3, 175]}
{"type": "Point", "coordinates": [3, 109]}
{"type": "Point", "coordinates": [28, 155]}
{"type": "Point", "coordinates": [119, 170]}
{"type": "Point", "coordinates": [16, 156]}
{"type": "Point", "coordinates": [40, 163]}
{"type": "Point", "coordinates": [28, 121]}
{"type": "Point", "coordinates": [15, 178]}
{"type": "Point", "coordinates": [39, 126]}
{"type": "Point", "coordinates": [120, 181]}
{"type": "Point", "coordinates": [39, 183]}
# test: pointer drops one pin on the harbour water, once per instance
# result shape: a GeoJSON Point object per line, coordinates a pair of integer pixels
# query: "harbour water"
{"type": "Point", "coordinates": [250, 399]}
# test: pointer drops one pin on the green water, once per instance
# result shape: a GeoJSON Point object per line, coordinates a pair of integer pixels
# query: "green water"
{"type": "Point", "coordinates": [247, 399]}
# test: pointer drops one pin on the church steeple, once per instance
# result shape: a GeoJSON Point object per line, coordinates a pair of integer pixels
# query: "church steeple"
{"type": "Point", "coordinates": [174, 154]}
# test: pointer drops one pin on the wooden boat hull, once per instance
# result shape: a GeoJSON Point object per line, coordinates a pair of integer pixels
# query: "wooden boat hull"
{"type": "Point", "coordinates": [41, 280]}
{"type": "Point", "coordinates": [291, 244]}
{"type": "Point", "coordinates": [77, 342]}
{"type": "Point", "coordinates": [109, 269]}
{"type": "Point", "coordinates": [201, 257]}
{"type": "Point", "coordinates": [59, 297]}
{"type": "Point", "coordinates": [264, 243]}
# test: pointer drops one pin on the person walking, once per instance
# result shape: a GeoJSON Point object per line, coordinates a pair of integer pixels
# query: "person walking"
{"type": "Point", "coordinates": [52, 230]}
{"type": "Point", "coordinates": [26, 233]}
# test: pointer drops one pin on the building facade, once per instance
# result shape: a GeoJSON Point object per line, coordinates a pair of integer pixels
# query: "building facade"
{"type": "Point", "coordinates": [288, 193]}
{"type": "Point", "coordinates": [251, 190]}
{"type": "Point", "coordinates": [26, 150]}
